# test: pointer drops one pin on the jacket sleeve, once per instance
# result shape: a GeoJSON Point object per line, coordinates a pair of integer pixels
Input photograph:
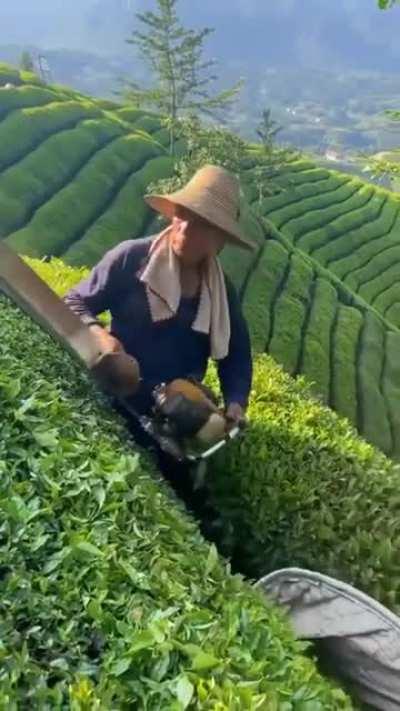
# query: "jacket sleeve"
{"type": "Point", "coordinates": [105, 283]}
{"type": "Point", "coordinates": [236, 370]}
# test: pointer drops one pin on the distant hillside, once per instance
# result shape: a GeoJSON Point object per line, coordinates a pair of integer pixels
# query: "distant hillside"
{"type": "Point", "coordinates": [321, 293]}
{"type": "Point", "coordinates": [83, 70]}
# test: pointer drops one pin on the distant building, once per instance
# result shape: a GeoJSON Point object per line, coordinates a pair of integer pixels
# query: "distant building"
{"type": "Point", "coordinates": [332, 155]}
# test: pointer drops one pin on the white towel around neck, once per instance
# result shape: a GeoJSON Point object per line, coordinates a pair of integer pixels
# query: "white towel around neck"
{"type": "Point", "coordinates": [161, 275]}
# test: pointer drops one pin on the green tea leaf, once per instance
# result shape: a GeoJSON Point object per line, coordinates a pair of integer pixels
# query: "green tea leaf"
{"type": "Point", "coordinates": [48, 439]}
{"type": "Point", "coordinates": [142, 640]}
{"type": "Point", "coordinates": [203, 661]}
{"type": "Point", "coordinates": [121, 666]}
{"type": "Point", "coordinates": [184, 691]}
{"type": "Point", "coordinates": [88, 549]}
{"type": "Point", "coordinates": [212, 560]}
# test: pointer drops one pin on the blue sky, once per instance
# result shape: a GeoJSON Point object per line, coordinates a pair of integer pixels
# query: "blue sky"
{"type": "Point", "coordinates": [321, 33]}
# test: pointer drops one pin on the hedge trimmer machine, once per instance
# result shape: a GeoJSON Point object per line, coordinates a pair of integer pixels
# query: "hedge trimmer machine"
{"type": "Point", "coordinates": [185, 420]}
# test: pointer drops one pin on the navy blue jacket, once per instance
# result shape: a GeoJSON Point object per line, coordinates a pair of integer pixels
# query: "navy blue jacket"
{"type": "Point", "coordinates": [168, 349]}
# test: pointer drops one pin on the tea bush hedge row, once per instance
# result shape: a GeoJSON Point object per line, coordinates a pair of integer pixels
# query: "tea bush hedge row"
{"type": "Point", "coordinates": [375, 267]}
{"type": "Point", "coordinates": [59, 276]}
{"type": "Point", "coordinates": [150, 124]}
{"type": "Point", "coordinates": [349, 197]}
{"type": "Point", "coordinates": [293, 196]}
{"type": "Point", "coordinates": [130, 114]}
{"type": "Point", "coordinates": [127, 216]}
{"type": "Point", "coordinates": [110, 598]}
{"type": "Point", "coordinates": [63, 219]}
{"type": "Point", "coordinates": [390, 383]}
{"type": "Point", "coordinates": [337, 221]}
{"type": "Point", "coordinates": [9, 74]}
{"type": "Point", "coordinates": [239, 268]}
{"type": "Point", "coordinates": [364, 244]}
{"type": "Point", "coordinates": [58, 174]}
{"type": "Point", "coordinates": [347, 222]}
{"type": "Point", "coordinates": [345, 349]}
{"type": "Point", "coordinates": [261, 292]}
{"type": "Point", "coordinates": [347, 232]}
{"type": "Point", "coordinates": [317, 341]}
{"type": "Point", "coordinates": [392, 314]}
{"type": "Point", "coordinates": [291, 178]}
{"type": "Point", "coordinates": [301, 488]}
{"type": "Point", "coordinates": [35, 179]}
{"type": "Point", "coordinates": [290, 311]}
{"type": "Point", "coordinates": [23, 130]}
{"type": "Point", "coordinates": [386, 276]}
{"type": "Point", "coordinates": [389, 296]}
{"type": "Point", "coordinates": [308, 213]}
{"type": "Point", "coordinates": [26, 96]}
{"type": "Point", "coordinates": [313, 326]}
{"type": "Point", "coordinates": [373, 408]}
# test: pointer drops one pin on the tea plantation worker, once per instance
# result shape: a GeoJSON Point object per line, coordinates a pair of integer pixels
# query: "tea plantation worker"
{"type": "Point", "coordinates": [171, 305]}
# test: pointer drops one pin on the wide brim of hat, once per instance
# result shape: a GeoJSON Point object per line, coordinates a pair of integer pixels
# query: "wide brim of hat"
{"type": "Point", "coordinates": [165, 205]}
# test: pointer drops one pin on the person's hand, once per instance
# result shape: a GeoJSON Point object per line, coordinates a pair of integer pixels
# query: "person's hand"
{"type": "Point", "coordinates": [107, 342]}
{"type": "Point", "coordinates": [235, 415]}
{"type": "Point", "coordinates": [118, 372]}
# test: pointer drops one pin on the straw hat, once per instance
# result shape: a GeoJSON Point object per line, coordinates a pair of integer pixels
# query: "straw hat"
{"type": "Point", "coordinates": [214, 194]}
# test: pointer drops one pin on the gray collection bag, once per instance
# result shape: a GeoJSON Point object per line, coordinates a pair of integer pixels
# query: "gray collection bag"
{"type": "Point", "coordinates": [359, 635]}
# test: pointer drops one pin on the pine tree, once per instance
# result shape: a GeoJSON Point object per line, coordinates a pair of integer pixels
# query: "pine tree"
{"type": "Point", "coordinates": [174, 56]}
{"type": "Point", "coordinates": [267, 129]}
{"type": "Point", "coordinates": [26, 62]}
{"type": "Point", "coordinates": [271, 157]}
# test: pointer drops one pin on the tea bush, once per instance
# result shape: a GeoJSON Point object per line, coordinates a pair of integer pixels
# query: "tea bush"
{"type": "Point", "coordinates": [110, 598]}
{"type": "Point", "coordinates": [302, 489]}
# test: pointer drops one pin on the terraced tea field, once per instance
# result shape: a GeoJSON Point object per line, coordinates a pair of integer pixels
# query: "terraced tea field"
{"type": "Point", "coordinates": [321, 293]}
{"type": "Point", "coordinates": [72, 173]}
{"type": "Point", "coordinates": [324, 297]}
{"type": "Point", "coordinates": [315, 327]}
{"type": "Point", "coordinates": [347, 226]}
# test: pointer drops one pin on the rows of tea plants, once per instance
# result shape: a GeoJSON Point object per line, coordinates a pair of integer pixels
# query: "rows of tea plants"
{"type": "Point", "coordinates": [303, 489]}
{"type": "Point", "coordinates": [110, 598]}
{"type": "Point", "coordinates": [348, 226]}
{"type": "Point", "coordinates": [314, 326]}
{"type": "Point", "coordinates": [70, 169]}
{"type": "Point", "coordinates": [302, 484]}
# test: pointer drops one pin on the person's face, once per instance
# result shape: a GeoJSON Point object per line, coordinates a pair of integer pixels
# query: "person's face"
{"type": "Point", "coordinates": [193, 239]}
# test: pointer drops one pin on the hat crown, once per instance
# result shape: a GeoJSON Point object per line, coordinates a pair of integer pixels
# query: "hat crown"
{"type": "Point", "coordinates": [213, 193]}
{"type": "Point", "coordinates": [212, 180]}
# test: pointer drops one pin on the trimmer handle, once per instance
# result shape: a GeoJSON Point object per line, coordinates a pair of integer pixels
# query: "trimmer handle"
{"type": "Point", "coordinates": [118, 373]}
